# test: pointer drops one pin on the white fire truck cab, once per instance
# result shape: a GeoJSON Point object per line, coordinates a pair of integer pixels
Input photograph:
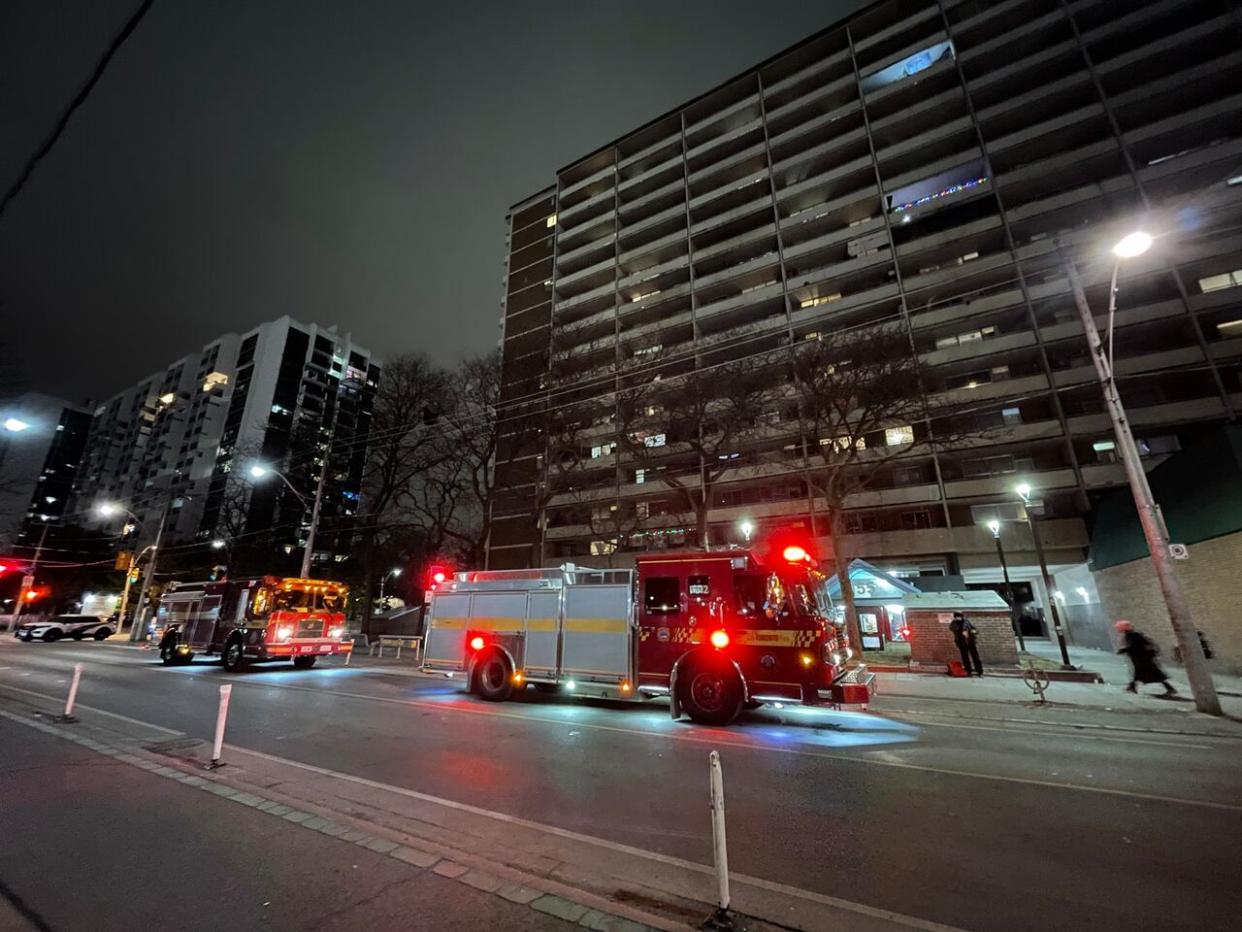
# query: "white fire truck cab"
{"type": "Point", "coordinates": [715, 631]}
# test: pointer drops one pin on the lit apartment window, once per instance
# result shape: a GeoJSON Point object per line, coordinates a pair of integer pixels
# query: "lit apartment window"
{"type": "Point", "coordinates": [896, 436]}
{"type": "Point", "coordinates": [640, 476]}
{"type": "Point", "coordinates": [654, 440]}
{"type": "Point", "coordinates": [644, 295]}
{"type": "Point", "coordinates": [1220, 282]}
{"type": "Point", "coordinates": [604, 449]}
{"type": "Point", "coordinates": [214, 379]}
{"type": "Point", "coordinates": [907, 67]}
{"type": "Point", "coordinates": [551, 221]}
{"type": "Point", "coordinates": [970, 336]}
{"type": "Point", "coordinates": [819, 301]}
{"type": "Point", "coordinates": [649, 350]}
{"type": "Point", "coordinates": [642, 510]}
{"type": "Point", "coordinates": [602, 548]}
{"type": "Point", "coordinates": [1105, 451]}
{"type": "Point", "coordinates": [1011, 416]}
{"type": "Point", "coordinates": [1230, 328]}
{"type": "Point", "coordinates": [842, 444]}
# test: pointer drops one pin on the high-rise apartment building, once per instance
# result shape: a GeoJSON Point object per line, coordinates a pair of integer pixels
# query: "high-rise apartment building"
{"type": "Point", "coordinates": [185, 438]}
{"type": "Point", "coordinates": [41, 444]}
{"type": "Point", "coordinates": [929, 163]}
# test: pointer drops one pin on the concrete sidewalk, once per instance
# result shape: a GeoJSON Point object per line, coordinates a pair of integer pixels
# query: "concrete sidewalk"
{"type": "Point", "coordinates": [997, 697]}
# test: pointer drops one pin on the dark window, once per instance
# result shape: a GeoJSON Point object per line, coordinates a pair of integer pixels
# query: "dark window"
{"type": "Point", "coordinates": [663, 595]}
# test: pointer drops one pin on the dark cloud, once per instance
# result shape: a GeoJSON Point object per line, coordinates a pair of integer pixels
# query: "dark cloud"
{"type": "Point", "coordinates": [343, 163]}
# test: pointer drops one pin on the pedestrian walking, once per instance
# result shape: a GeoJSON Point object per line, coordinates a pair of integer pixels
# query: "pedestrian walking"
{"type": "Point", "coordinates": [964, 636]}
{"type": "Point", "coordinates": [1142, 654]}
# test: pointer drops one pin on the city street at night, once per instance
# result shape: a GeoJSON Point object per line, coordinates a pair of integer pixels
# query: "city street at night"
{"type": "Point", "coordinates": [885, 820]}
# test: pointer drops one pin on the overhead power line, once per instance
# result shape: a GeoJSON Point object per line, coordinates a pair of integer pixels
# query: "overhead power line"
{"type": "Point", "coordinates": [100, 67]}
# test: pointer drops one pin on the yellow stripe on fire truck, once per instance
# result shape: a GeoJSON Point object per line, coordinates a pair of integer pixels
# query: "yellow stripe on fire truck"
{"type": "Point", "coordinates": [754, 637]}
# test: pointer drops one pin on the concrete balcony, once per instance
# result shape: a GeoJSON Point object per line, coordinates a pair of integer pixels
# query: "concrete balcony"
{"type": "Point", "coordinates": [1176, 412]}
{"type": "Point", "coordinates": [905, 495]}
{"type": "Point", "coordinates": [1007, 37]}
{"type": "Point", "coordinates": [734, 242]}
{"type": "Point", "coordinates": [652, 272]}
{"type": "Point", "coordinates": [572, 217]}
{"type": "Point", "coordinates": [914, 115]}
{"type": "Point", "coordinates": [1102, 475]}
{"type": "Point", "coordinates": [1047, 127]}
{"type": "Point", "coordinates": [922, 140]}
{"type": "Point", "coordinates": [1003, 486]}
{"type": "Point", "coordinates": [764, 293]}
{"type": "Point", "coordinates": [835, 237]}
{"type": "Point", "coordinates": [630, 233]}
{"type": "Point", "coordinates": [929, 16]}
{"type": "Point", "coordinates": [647, 151]}
{"type": "Point", "coordinates": [975, 349]}
{"type": "Point", "coordinates": [1042, 57]}
{"type": "Point", "coordinates": [836, 59]}
{"type": "Point", "coordinates": [720, 168]}
{"type": "Point", "coordinates": [653, 197]}
{"type": "Point", "coordinates": [840, 142]}
{"type": "Point", "coordinates": [838, 271]}
{"type": "Point", "coordinates": [683, 319]}
{"type": "Point", "coordinates": [1063, 199]}
{"type": "Point", "coordinates": [809, 315]}
{"type": "Point", "coordinates": [575, 254]}
{"type": "Point", "coordinates": [961, 158]}
{"type": "Point", "coordinates": [670, 242]}
{"type": "Point", "coordinates": [737, 133]}
{"type": "Point", "coordinates": [954, 273]}
{"type": "Point", "coordinates": [1038, 95]}
{"type": "Point", "coordinates": [1227, 107]}
{"type": "Point", "coordinates": [987, 391]}
{"type": "Point", "coordinates": [728, 216]}
{"type": "Point", "coordinates": [569, 191]}
{"type": "Point", "coordinates": [947, 237]}
{"type": "Point", "coordinates": [663, 165]}
{"type": "Point", "coordinates": [784, 137]}
{"type": "Point", "coordinates": [669, 294]}
{"type": "Point", "coordinates": [722, 193]}
{"type": "Point", "coordinates": [574, 280]}
{"type": "Point", "coordinates": [750, 102]}
{"type": "Point", "coordinates": [751, 265]}
{"type": "Point", "coordinates": [824, 179]}
{"type": "Point", "coordinates": [606, 290]}
{"type": "Point", "coordinates": [813, 96]}
{"type": "Point", "coordinates": [1182, 356]}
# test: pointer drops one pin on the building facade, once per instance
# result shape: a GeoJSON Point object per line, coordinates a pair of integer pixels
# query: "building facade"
{"type": "Point", "coordinates": [185, 438]}
{"type": "Point", "coordinates": [928, 163]}
{"type": "Point", "coordinates": [40, 453]}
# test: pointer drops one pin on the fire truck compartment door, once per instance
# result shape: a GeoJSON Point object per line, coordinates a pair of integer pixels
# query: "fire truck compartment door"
{"type": "Point", "coordinates": [596, 638]}
{"type": "Point", "coordinates": [543, 628]}
{"type": "Point", "coordinates": [446, 629]}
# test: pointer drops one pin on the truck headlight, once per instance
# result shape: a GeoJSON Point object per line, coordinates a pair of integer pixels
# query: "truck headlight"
{"type": "Point", "coordinates": [283, 633]}
{"type": "Point", "coordinates": [335, 632]}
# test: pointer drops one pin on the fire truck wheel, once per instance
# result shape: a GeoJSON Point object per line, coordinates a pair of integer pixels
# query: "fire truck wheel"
{"type": "Point", "coordinates": [233, 656]}
{"type": "Point", "coordinates": [493, 680]}
{"type": "Point", "coordinates": [711, 692]}
{"type": "Point", "coordinates": [304, 663]}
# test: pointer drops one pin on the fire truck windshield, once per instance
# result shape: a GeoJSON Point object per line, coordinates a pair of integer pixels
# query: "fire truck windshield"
{"type": "Point", "coordinates": [302, 600]}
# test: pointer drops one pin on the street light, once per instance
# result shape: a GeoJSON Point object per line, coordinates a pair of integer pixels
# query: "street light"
{"type": "Point", "coordinates": [747, 528]}
{"type": "Point", "coordinates": [994, 526]}
{"type": "Point", "coordinates": [394, 572]}
{"type": "Point", "coordinates": [1154, 530]}
{"type": "Point", "coordinates": [218, 544]}
{"type": "Point", "coordinates": [259, 471]}
{"type": "Point", "coordinates": [15, 425]}
{"type": "Point", "coordinates": [108, 510]}
{"type": "Point", "coordinates": [1024, 494]}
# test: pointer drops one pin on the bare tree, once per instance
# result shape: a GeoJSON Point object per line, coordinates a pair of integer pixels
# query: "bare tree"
{"type": "Point", "coordinates": [403, 446]}
{"type": "Point", "coordinates": [862, 404]}
{"type": "Point", "coordinates": [689, 431]}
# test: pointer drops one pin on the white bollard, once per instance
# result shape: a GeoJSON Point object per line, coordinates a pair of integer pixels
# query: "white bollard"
{"type": "Point", "coordinates": [73, 692]}
{"type": "Point", "coordinates": [347, 656]}
{"type": "Point", "coordinates": [221, 717]}
{"type": "Point", "coordinates": [721, 918]}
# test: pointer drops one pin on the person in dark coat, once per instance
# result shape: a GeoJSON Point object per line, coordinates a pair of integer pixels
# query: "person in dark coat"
{"type": "Point", "coordinates": [964, 636]}
{"type": "Point", "coordinates": [1142, 653]}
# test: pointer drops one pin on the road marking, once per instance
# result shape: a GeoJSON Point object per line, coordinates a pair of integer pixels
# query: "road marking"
{"type": "Point", "coordinates": [79, 705]}
{"type": "Point", "coordinates": [717, 736]}
{"type": "Point", "coordinates": [823, 899]}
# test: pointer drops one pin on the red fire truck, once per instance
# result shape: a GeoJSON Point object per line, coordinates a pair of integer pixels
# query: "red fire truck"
{"type": "Point", "coordinates": [265, 618]}
{"type": "Point", "coordinates": [715, 631]}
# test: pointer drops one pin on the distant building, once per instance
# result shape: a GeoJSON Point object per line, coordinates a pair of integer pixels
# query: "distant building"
{"type": "Point", "coordinates": [38, 463]}
{"type": "Point", "coordinates": [916, 162]}
{"type": "Point", "coordinates": [186, 437]}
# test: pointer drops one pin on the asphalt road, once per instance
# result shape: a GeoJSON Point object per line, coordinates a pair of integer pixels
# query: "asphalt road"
{"type": "Point", "coordinates": [979, 826]}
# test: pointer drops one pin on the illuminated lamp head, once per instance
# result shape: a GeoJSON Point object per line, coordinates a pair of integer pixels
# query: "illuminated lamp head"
{"type": "Point", "coordinates": [719, 639]}
{"type": "Point", "coordinates": [476, 643]}
{"type": "Point", "coordinates": [795, 554]}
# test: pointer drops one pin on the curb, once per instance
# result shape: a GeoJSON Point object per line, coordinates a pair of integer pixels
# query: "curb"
{"type": "Point", "coordinates": [548, 897]}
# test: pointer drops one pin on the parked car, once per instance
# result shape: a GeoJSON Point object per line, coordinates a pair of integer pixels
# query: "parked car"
{"type": "Point", "coordinates": [60, 626]}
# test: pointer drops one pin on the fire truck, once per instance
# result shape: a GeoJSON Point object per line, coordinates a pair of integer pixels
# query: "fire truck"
{"type": "Point", "coordinates": [715, 631]}
{"type": "Point", "coordinates": [259, 619]}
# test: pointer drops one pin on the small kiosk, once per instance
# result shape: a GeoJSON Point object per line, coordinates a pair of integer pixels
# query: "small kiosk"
{"type": "Point", "coordinates": [927, 617]}
{"type": "Point", "coordinates": [879, 599]}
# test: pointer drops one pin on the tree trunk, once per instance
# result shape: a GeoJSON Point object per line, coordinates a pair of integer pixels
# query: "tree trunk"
{"type": "Point", "coordinates": [847, 587]}
{"type": "Point", "coordinates": [700, 520]}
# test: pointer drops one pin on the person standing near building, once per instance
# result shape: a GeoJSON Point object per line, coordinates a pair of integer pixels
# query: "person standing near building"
{"type": "Point", "coordinates": [964, 636]}
{"type": "Point", "coordinates": [1142, 654]}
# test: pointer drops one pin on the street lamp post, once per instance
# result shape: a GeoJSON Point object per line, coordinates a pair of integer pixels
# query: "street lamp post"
{"type": "Point", "coordinates": [395, 572]}
{"type": "Point", "coordinates": [994, 527]}
{"type": "Point", "coordinates": [747, 527]}
{"type": "Point", "coordinates": [1154, 530]}
{"type": "Point", "coordinates": [258, 471]}
{"type": "Point", "coordinates": [1024, 494]}
{"type": "Point", "coordinates": [107, 510]}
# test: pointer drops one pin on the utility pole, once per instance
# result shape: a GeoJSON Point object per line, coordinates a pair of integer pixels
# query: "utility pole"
{"type": "Point", "coordinates": [28, 580]}
{"type": "Point", "coordinates": [309, 553]}
{"type": "Point", "coordinates": [1201, 685]}
{"type": "Point", "coordinates": [139, 631]}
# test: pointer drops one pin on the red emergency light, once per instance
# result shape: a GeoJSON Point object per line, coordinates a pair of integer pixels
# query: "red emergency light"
{"type": "Point", "coordinates": [437, 573]}
{"type": "Point", "coordinates": [719, 639]}
{"type": "Point", "coordinates": [476, 643]}
{"type": "Point", "coordinates": [795, 554]}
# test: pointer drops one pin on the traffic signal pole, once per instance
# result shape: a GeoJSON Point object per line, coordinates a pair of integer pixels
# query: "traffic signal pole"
{"type": "Point", "coordinates": [138, 632]}
{"type": "Point", "coordinates": [24, 590]}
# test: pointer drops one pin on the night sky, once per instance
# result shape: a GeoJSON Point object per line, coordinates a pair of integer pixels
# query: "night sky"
{"type": "Point", "coordinates": [345, 163]}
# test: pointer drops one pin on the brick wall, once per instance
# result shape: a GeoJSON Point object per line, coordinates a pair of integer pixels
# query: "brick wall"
{"type": "Point", "coordinates": [931, 642]}
{"type": "Point", "coordinates": [1210, 580]}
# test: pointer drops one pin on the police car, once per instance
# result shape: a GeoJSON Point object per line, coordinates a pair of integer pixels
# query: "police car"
{"type": "Point", "coordinates": [77, 627]}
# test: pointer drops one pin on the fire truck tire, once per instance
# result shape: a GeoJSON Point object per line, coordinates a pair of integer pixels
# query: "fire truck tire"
{"type": "Point", "coordinates": [304, 663]}
{"type": "Point", "coordinates": [710, 692]}
{"type": "Point", "coordinates": [233, 656]}
{"type": "Point", "coordinates": [493, 680]}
